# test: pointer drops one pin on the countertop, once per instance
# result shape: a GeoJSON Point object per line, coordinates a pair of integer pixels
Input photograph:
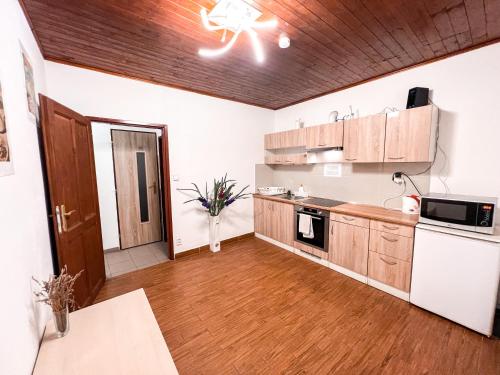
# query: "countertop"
{"type": "Point", "coordinates": [361, 210]}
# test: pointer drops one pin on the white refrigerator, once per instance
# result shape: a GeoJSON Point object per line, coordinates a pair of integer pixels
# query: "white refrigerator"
{"type": "Point", "coordinates": [456, 275]}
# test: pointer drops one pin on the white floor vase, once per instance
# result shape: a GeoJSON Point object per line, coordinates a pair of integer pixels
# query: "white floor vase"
{"type": "Point", "coordinates": [213, 235]}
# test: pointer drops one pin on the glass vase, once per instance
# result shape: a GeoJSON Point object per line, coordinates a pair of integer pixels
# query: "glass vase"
{"type": "Point", "coordinates": [61, 322]}
{"type": "Point", "coordinates": [213, 233]}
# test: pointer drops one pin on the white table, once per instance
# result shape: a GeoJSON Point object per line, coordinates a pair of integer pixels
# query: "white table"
{"type": "Point", "coordinates": [118, 336]}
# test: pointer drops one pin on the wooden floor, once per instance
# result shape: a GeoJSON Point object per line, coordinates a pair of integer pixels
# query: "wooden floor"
{"type": "Point", "coordinates": [258, 309]}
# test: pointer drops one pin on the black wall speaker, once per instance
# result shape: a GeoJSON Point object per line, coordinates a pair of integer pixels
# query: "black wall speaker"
{"type": "Point", "coordinates": [417, 97]}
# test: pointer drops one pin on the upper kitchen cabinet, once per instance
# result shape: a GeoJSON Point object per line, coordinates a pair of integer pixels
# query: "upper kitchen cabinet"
{"type": "Point", "coordinates": [411, 135]}
{"type": "Point", "coordinates": [364, 139]}
{"type": "Point", "coordinates": [287, 139]}
{"type": "Point", "coordinates": [324, 136]}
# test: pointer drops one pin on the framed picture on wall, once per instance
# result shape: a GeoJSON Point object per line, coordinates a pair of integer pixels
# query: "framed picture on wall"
{"type": "Point", "coordinates": [6, 166]}
{"type": "Point", "coordinates": [30, 86]}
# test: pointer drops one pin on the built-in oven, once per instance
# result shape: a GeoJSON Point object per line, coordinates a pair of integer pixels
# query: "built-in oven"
{"type": "Point", "coordinates": [320, 220]}
{"type": "Point", "coordinates": [476, 214]}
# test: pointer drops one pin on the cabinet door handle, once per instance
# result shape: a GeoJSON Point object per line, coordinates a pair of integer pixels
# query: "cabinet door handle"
{"type": "Point", "coordinates": [388, 262]}
{"type": "Point", "coordinates": [351, 159]}
{"type": "Point", "coordinates": [395, 158]}
{"type": "Point", "coordinates": [348, 218]}
{"type": "Point", "coordinates": [389, 239]}
{"type": "Point", "coordinates": [331, 230]}
{"type": "Point", "coordinates": [321, 144]}
{"type": "Point", "coordinates": [390, 228]}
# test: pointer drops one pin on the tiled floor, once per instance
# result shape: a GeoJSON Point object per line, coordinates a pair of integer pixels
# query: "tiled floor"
{"type": "Point", "coordinates": [122, 261]}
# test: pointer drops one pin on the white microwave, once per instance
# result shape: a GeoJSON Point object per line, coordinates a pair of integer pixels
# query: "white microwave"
{"type": "Point", "coordinates": [475, 214]}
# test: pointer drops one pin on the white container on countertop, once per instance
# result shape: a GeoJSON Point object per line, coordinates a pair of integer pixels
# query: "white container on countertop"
{"type": "Point", "coordinates": [411, 204]}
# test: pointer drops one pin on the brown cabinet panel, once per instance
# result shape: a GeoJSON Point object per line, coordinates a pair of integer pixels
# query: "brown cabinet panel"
{"type": "Point", "coordinates": [391, 244]}
{"type": "Point", "coordinates": [287, 139]}
{"type": "Point", "coordinates": [284, 217]}
{"type": "Point", "coordinates": [348, 246]}
{"type": "Point", "coordinates": [389, 270]}
{"type": "Point", "coordinates": [258, 214]}
{"type": "Point", "coordinates": [410, 135]}
{"type": "Point", "coordinates": [325, 136]}
{"type": "Point", "coordinates": [274, 220]}
{"type": "Point", "coordinates": [400, 230]}
{"type": "Point", "coordinates": [286, 159]}
{"type": "Point", "coordinates": [352, 220]}
{"type": "Point", "coordinates": [364, 139]}
{"type": "Point", "coordinates": [310, 250]}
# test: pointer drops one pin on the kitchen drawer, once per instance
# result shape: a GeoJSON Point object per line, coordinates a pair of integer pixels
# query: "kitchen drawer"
{"type": "Point", "coordinates": [390, 271]}
{"type": "Point", "coordinates": [310, 250]}
{"type": "Point", "coordinates": [353, 220]}
{"type": "Point", "coordinates": [390, 244]}
{"type": "Point", "coordinates": [401, 230]}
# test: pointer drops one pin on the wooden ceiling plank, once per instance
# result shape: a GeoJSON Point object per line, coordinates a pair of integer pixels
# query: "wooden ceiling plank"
{"type": "Point", "coordinates": [364, 33]}
{"type": "Point", "coordinates": [336, 30]}
{"type": "Point", "coordinates": [282, 86]}
{"type": "Point", "coordinates": [128, 39]}
{"type": "Point", "coordinates": [395, 27]}
{"type": "Point", "coordinates": [460, 24]}
{"type": "Point", "coordinates": [437, 11]}
{"type": "Point", "coordinates": [335, 44]}
{"type": "Point", "coordinates": [492, 8]}
{"type": "Point", "coordinates": [360, 11]}
{"type": "Point", "coordinates": [477, 20]}
{"type": "Point", "coordinates": [300, 37]}
{"type": "Point", "coordinates": [305, 56]}
{"type": "Point", "coordinates": [421, 24]}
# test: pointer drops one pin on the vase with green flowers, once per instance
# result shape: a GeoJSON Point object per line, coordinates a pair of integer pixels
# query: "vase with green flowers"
{"type": "Point", "coordinates": [221, 196]}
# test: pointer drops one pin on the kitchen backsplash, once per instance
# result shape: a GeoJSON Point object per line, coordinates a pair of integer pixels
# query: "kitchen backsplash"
{"type": "Point", "coordinates": [359, 183]}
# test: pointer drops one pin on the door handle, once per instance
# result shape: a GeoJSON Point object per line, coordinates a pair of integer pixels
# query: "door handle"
{"type": "Point", "coordinates": [387, 262]}
{"type": "Point", "coordinates": [65, 215]}
{"type": "Point", "coordinates": [395, 158]}
{"type": "Point", "coordinates": [153, 187]}
{"type": "Point", "coordinates": [390, 228]}
{"type": "Point", "coordinates": [351, 159]}
{"type": "Point", "coordinates": [389, 239]}
{"type": "Point", "coordinates": [58, 220]}
{"type": "Point", "coordinates": [348, 218]}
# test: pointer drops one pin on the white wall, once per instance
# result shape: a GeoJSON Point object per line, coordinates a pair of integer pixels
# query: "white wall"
{"type": "Point", "coordinates": [207, 138]}
{"type": "Point", "coordinates": [466, 89]}
{"type": "Point", "coordinates": [24, 238]}
{"type": "Point", "coordinates": [105, 174]}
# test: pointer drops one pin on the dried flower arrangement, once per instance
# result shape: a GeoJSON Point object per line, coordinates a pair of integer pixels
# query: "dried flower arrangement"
{"type": "Point", "coordinates": [58, 291]}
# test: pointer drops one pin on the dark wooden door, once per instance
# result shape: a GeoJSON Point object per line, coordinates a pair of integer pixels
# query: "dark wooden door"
{"type": "Point", "coordinates": [74, 204]}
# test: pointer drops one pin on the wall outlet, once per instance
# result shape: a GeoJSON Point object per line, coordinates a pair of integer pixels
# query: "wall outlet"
{"type": "Point", "coordinates": [178, 242]}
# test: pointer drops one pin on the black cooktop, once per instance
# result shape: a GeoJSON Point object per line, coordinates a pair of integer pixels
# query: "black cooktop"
{"type": "Point", "coordinates": [323, 202]}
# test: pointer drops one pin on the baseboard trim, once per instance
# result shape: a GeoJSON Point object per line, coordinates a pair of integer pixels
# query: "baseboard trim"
{"type": "Point", "coordinates": [389, 289]}
{"type": "Point", "coordinates": [351, 274]}
{"type": "Point", "coordinates": [111, 249]}
{"type": "Point", "coordinates": [206, 248]}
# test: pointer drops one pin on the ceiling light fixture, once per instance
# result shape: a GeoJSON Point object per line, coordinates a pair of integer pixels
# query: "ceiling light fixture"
{"type": "Point", "coordinates": [235, 16]}
{"type": "Point", "coordinates": [284, 41]}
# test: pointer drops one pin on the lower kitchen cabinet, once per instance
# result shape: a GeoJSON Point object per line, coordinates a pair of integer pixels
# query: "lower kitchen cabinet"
{"type": "Point", "coordinates": [389, 270]}
{"type": "Point", "coordinates": [274, 220]}
{"type": "Point", "coordinates": [348, 246]}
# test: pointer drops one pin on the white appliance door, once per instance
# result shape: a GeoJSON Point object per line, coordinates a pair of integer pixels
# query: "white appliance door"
{"type": "Point", "coordinates": [456, 277]}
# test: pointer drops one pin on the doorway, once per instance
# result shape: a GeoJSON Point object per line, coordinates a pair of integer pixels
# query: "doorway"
{"type": "Point", "coordinates": [134, 194]}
